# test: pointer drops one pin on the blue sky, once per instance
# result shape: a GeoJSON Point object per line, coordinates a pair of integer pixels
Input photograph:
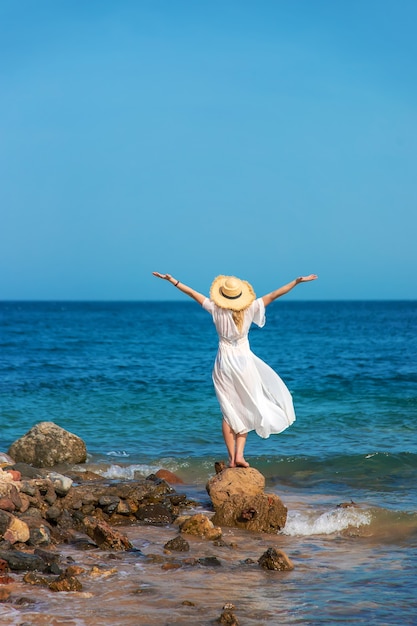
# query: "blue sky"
{"type": "Point", "coordinates": [265, 139]}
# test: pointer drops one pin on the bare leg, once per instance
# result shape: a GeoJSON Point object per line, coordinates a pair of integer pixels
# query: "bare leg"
{"type": "Point", "coordinates": [235, 445]}
{"type": "Point", "coordinates": [240, 447]}
{"type": "Point", "coordinates": [230, 441]}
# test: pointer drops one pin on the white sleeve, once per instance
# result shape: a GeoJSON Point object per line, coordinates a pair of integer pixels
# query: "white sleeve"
{"type": "Point", "coordinates": [258, 312]}
{"type": "Point", "coordinates": [208, 305]}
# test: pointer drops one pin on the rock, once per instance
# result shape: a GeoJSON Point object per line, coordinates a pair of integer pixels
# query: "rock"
{"type": "Point", "coordinates": [32, 578]}
{"type": "Point", "coordinates": [234, 481]}
{"type": "Point", "coordinates": [17, 531]}
{"type": "Point", "coordinates": [4, 595]}
{"type": "Point", "coordinates": [40, 536]}
{"type": "Point", "coordinates": [209, 561]}
{"type": "Point", "coordinates": [12, 529]}
{"type": "Point", "coordinates": [7, 505]}
{"type": "Point", "coordinates": [50, 559]}
{"type": "Point", "coordinates": [5, 459]}
{"type": "Point", "coordinates": [99, 572]}
{"type": "Point", "coordinates": [178, 544]}
{"type": "Point", "coordinates": [228, 618]}
{"type": "Point", "coordinates": [169, 566]}
{"type": "Point", "coordinates": [8, 491]}
{"type": "Point", "coordinates": [62, 484]}
{"type": "Point", "coordinates": [260, 513]}
{"type": "Point", "coordinates": [47, 445]}
{"type": "Point", "coordinates": [170, 478]}
{"type": "Point", "coordinates": [27, 471]}
{"type": "Point", "coordinates": [5, 579]}
{"type": "Point", "coordinates": [22, 561]}
{"type": "Point", "coordinates": [277, 560]}
{"type": "Point", "coordinates": [201, 526]}
{"type": "Point", "coordinates": [219, 466]}
{"type": "Point", "coordinates": [66, 583]}
{"type": "Point", "coordinates": [156, 514]}
{"type": "Point", "coordinates": [14, 474]}
{"type": "Point", "coordinates": [106, 537]}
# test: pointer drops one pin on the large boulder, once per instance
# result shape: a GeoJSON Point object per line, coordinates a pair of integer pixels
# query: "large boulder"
{"type": "Point", "coordinates": [261, 513]}
{"type": "Point", "coordinates": [242, 481]}
{"type": "Point", "coordinates": [238, 499]}
{"type": "Point", "coordinates": [47, 445]}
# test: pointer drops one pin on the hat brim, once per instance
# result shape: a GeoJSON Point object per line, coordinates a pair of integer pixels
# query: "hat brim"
{"type": "Point", "coordinates": [235, 304]}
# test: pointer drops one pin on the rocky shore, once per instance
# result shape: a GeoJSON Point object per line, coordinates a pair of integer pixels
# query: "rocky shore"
{"type": "Point", "coordinates": [42, 508]}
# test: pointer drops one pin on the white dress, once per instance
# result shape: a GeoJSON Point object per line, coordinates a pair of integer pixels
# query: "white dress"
{"type": "Point", "coordinates": [251, 395]}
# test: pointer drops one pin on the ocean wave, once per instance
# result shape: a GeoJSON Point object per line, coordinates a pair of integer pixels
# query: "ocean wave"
{"type": "Point", "coordinates": [121, 453]}
{"type": "Point", "coordinates": [328, 523]}
{"type": "Point", "coordinates": [128, 472]}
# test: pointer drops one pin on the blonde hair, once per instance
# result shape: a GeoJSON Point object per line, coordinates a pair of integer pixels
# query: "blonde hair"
{"type": "Point", "coordinates": [238, 317]}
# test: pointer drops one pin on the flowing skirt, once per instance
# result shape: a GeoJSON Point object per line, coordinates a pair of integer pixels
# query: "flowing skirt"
{"type": "Point", "coordinates": [251, 394]}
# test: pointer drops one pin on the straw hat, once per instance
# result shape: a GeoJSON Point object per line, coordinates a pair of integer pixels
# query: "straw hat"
{"type": "Point", "coordinates": [229, 292]}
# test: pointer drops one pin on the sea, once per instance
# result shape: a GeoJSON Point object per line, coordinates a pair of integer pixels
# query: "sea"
{"type": "Point", "coordinates": [133, 380]}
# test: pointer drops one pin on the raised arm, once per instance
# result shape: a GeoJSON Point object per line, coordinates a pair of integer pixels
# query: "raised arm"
{"type": "Point", "coordinates": [270, 297]}
{"type": "Point", "coordinates": [199, 297]}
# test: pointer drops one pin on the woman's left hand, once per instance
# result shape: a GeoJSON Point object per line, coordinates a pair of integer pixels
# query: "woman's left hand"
{"type": "Point", "coordinates": [163, 276]}
{"type": "Point", "coordinates": [306, 279]}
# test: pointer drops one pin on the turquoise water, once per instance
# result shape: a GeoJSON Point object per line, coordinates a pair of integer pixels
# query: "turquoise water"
{"type": "Point", "coordinates": [134, 381]}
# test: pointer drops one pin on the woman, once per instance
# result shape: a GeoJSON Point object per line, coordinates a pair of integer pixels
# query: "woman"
{"type": "Point", "coordinates": [251, 395]}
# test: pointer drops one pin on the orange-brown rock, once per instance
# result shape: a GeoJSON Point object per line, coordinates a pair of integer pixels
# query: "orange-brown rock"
{"type": "Point", "coordinates": [234, 481]}
{"type": "Point", "coordinates": [201, 526]}
{"type": "Point", "coordinates": [277, 560]}
{"type": "Point", "coordinates": [171, 478]}
{"type": "Point", "coordinates": [260, 513]}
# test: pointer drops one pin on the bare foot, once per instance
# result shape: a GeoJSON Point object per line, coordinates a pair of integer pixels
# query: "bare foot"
{"type": "Point", "coordinates": [241, 463]}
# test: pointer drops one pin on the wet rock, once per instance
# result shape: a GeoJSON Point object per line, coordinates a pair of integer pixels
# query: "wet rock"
{"type": "Point", "coordinates": [229, 618]}
{"type": "Point", "coordinates": [23, 561]}
{"type": "Point", "coordinates": [32, 578]}
{"type": "Point", "coordinates": [170, 565]}
{"type": "Point", "coordinates": [66, 583]}
{"type": "Point", "coordinates": [347, 505]}
{"type": "Point", "coordinates": [109, 503]}
{"type": "Point", "coordinates": [209, 561]}
{"type": "Point", "coordinates": [50, 559]}
{"type": "Point", "coordinates": [170, 478]}
{"type": "Point", "coordinates": [27, 472]}
{"type": "Point", "coordinates": [4, 595]}
{"type": "Point", "coordinates": [234, 481]}
{"type": "Point", "coordinates": [219, 466]}
{"type": "Point", "coordinates": [260, 513]}
{"type": "Point", "coordinates": [156, 514]}
{"type": "Point", "coordinates": [84, 476]}
{"type": "Point", "coordinates": [47, 445]}
{"type": "Point", "coordinates": [106, 537]}
{"type": "Point", "coordinates": [178, 544]}
{"type": "Point", "coordinates": [201, 526]}
{"type": "Point", "coordinates": [277, 560]}
{"type": "Point", "coordinates": [5, 579]}
{"type": "Point", "coordinates": [99, 572]}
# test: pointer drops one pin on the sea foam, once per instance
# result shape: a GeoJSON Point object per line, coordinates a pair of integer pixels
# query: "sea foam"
{"type": "Point", "coordinates": [328, 523]}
